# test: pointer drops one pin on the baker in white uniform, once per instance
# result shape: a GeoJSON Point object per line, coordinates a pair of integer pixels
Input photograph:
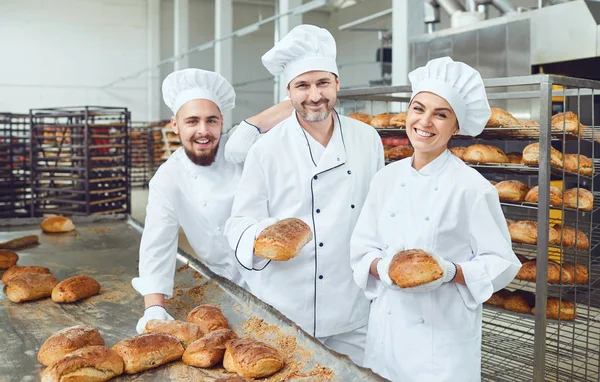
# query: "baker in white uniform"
{"type": "Point", "coordinates": [193, 189]}
{"type": "Point", "coordinates": [316, 165]}
{"type": "Point", "coordinates": [435, 202]}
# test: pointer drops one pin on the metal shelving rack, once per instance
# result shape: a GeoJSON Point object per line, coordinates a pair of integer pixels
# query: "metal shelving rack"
{"type": "Point", "coordinates": [15, 175]}
{"type": "Point", "coordinates": [80, 160]}
{"type": "Point", "coordinates": [520, 347]}
{"type": "Point", "coordinates": [147, 151]}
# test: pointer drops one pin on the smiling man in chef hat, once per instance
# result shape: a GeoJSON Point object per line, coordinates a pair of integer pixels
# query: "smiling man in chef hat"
{"type": "Point", "coordinates": [316, 166]}
{"type": "Point", "coordinates": [192, 190]}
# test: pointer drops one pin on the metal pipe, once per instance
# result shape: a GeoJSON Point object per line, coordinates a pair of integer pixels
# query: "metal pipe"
{"type": "Point", "coordinates": [450, 6]}
{"type": "Point", "coordinates": [471, 5]}
{"type": "Point", "coordinates": [504, 6]}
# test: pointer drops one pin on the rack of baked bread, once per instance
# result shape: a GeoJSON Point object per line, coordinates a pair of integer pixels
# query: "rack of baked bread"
{"type": "Point", "coordinates": [171, 141]}
{"type": "Point", "coordinates": [147, 151]}
{"type": "Point", "coordinates": [507, 153]}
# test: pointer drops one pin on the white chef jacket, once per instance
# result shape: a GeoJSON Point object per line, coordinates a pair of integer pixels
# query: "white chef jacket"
{"type": "Point", "coordinates": [282, 179]}
{"type": "Point", "coordinates": [198, 199]}
{"type": "Point", "coordinates": [450, 209]}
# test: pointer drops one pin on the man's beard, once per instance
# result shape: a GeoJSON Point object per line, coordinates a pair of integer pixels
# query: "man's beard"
{"type": "Point", "coordinates": [203, 159]}
{"type": "Point", "coordinates": [309, 116]}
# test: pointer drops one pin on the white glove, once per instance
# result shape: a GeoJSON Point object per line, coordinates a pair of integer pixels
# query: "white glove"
{"type": "Point", "coordinates": [383, 269]}
{"type": "Point", "coordinates": [264, 224]}
{"type": "Point", "coordinates": [154, 312]}
{"type": "Point", "coordinates": [449, 269]}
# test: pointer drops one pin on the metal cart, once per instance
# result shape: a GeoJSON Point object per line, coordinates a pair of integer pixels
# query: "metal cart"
{"type": "Point", "coordinates": [15, 176]}
{"type": "Point", "coordinates": [520, 347]}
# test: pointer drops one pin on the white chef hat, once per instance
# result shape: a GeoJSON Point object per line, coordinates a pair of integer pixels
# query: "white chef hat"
{"type": "Point", "coordinates": [305, 48]}
{"type": "Point", "coordinates": [461, 86]}
{"type": "Point", "coordinates": [188, 84]}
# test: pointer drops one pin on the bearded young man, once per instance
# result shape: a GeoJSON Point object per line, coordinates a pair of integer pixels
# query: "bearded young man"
{"type": "Point", "coordinates": [316, 166]}
{"type": "Point", "coordinates": [193, 189]}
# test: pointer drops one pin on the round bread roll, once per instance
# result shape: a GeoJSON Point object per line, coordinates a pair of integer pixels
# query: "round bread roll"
{"type": "Point", "coordinates": [399, 120]}
{"type": "Point", "coordinates": [580, 273]}
{"type": "Point", "coordinates": [531, 156]}
{"type": "Point", "coordinates": [147, 351]}
{"type": "Point", "coordinates": [528, 272]}
{"type": "Point", "coordinates": [208, 350]}
{"type": "Point", "coordinates": [400, 152]}
{"type": "Point", "coordinates": [529, 123]}
{"type": "Point", "coordinates": [512, 190]}
{"type": "Point", "coordinates": [30, 287]}
{"type": "Point", "coordinates": [581, 162]}
{"type": "Point", "coordinates": [567, 122]}
{"type": "Point", "coordinates": [90, 364]}
{"type": "Point", "coordinates": [363, 117]}
{"type": "Point", "coordinates": [186, 332]}
{"type": "Point", "coordinates": [569, 234]}
{"type": "Point", "coordinates": [283, 240]}
{"type": "Point", "coordinates": [497, 298]}
{"type": "Point", "coordinates": [382, 120]}
{"type": "Point", "coordinates": [8, 258]}
{"type": "Point", "coordinates": [556, 309]}
{"type": "Point", "coordinates": [525, 231]}
{"type": "Point", "coordinates": [509, 221]}
{"type": "Point", "coordinates": [208, 318]}
{"type": "Point", "coordinates": [579, 198]}
{"type": "Point", "coordinates": [479, 153]}
{"type": "Point", "coordinates": [252, 359]}
{"type": "Point", "coordinates": [56, 224]}
{"type": "Point", "coordinates": [493, 182]}
{"type": "Point", "coordinates": [501, 118]}
{"type": "Point", "coordinates": [19, 270]}
{"type": "Point", "coordinates": [519, 301]}
{"type": "Point", "coordinates": [414, 267]}
{"type": "Point", "coordinates": [66, 341]}
{"type": "Point", "coordinates": [75, 288]}
{"type": "Point", "coordinates": [515, 158]}
{"type": "Point", "coordinates": [556, 198]}
{"type": "Point", "coordinates": [459, 151]}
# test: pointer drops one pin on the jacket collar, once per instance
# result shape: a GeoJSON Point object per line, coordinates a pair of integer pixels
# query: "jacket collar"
{"type": "Point", "coordinates": [433, 167]}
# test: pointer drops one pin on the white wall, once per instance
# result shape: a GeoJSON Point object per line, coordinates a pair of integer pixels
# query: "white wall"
{"type": "Point", "coordinates": [59, 52]}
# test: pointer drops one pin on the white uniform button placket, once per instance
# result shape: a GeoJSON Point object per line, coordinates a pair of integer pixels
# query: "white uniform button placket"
{"type": "Point", "coordinates": [426, 218]}
{"type": "Point", "coordinates": [392, 215]}
{"type": "Point", "coordinates": [421, 320]}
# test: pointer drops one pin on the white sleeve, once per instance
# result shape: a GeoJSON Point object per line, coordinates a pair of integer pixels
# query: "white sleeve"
{"type": "Point", "coordinates": [250, 206]}
{"type": "Point", "coordinates": [158, 248]}
{"type": "Point", "coordinates": [365, 245]}
{"type": "Point", "coordinates": [379, 150]}
{"type": "Point", "coordinates": [241, 138]}
{"type": "Point", "coordinates": [494, 264]}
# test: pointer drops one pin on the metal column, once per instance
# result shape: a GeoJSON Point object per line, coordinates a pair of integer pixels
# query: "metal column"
{"type": "Point", "coordinates": [181, 27]}
{"type": "Point", "coordinates": [282, 27]}
{"type": "Point", "coordinates": [153, 57]}
{"type": "Point", "coordinates": [407, 19]}
{"type": "Point", "coordinates": [223, 49]}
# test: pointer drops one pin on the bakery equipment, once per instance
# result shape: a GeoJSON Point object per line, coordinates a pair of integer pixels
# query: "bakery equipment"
{"type": "Point", "coordinates": [526, 346]}
{"type": "Point", "coordinates": [106, 248]}
{"type": "Point", "coordinates": [146, 150]}
{"type": "Point", "coordinates": [15, 176]}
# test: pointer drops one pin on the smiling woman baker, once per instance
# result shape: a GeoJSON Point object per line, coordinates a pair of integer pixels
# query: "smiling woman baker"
{"type": "Point", "coordinates": [436, 203]}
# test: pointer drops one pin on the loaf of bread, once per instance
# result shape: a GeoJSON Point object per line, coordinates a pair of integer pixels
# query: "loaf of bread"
{"type": "Point", "coordinates": [512, 190]}
{"type": "Point", "coordinates": [20, 242]}
{"type": "Point", "coordinates": [493, 182]}
{"type": "Point", "coordinates": [399, 120]}
{"type": "Point", "coordinates": [208, 350]}
{"type": "Point", "coordinates": [414, 267]}
{"type": "Point", "coordinates": [579, 198]}
{"type": "Point", "coordinates": [580, 273]}
{"type": "Point", "coordinates": [501, 118]}
{"type": "Point", "coordinates": [531, 156]}
{"type": "Point", "coordinates": [515, 158]}
{"type": "Point", "coordinates": [90, 364]}
{"type": "Point", "coordinates": [363, 117]}
{"type": "Point", "coordinates": [147, 351]}
{"type": "Point", "coordinates": [528, 272]}
{"type": "Point", "coordinates": [30, 286]}
{"type": "Point", "coordinates": [519, 301]}
{"type": "Point", "coordinates": [19, 270]}
{"type": "Point", "coordinates": [525, 231]}
{"type": "Point", "coordinates": [497, 298]}
{"type": "Point", "coordinates": [56, 224]}
{"type": "Point", "coordinates": [567, 122]}
{"type": "Point", "coordinates": [568, 237]}
{"type": "Point", "coordinates": [208, 318]}
{"type": "Point", "coordinates": [8, 258]}
{"type": "Point", "coordinates": [573, 162]}
{"type": "Point", "coordinates": [75, 288]}
{"type": "Point", "coordinates": [556, 198]}
{"type": "Point", "coordinates": [509, 222]}
{"type": "Point", "coordinates": [479, 153]}
{"type": "Point", "coordinates": [186, 332]}
{"type": "Point", "coordinates": [528, 123]}
{"type": "Point", "coordinates": [66, 341]}
{"type": "Point", "coordinates": [459, 151]}
{"type": "Point", "coordinates": [400, 152]}
{"type": "Point", "coordinates": [250, 358]}
{"type": "Point", "coordinates": [283, 240]}
{"type": "Point", "coordinates": [557, 309]}
{"type": "Point", "coordinates": [382, 120]}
